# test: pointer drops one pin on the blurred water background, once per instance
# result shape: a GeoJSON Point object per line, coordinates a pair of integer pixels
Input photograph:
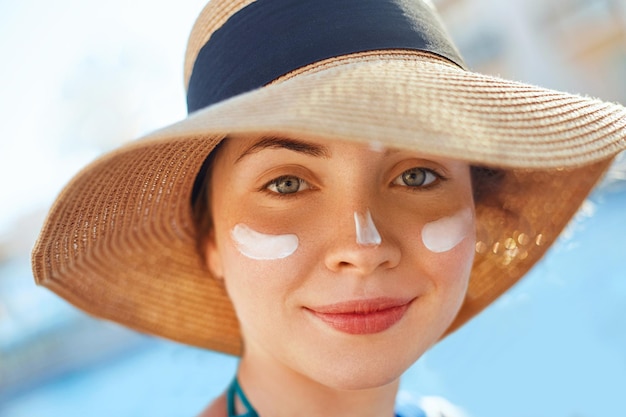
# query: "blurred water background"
{"type": "Point", "coordinates": [80, 77]}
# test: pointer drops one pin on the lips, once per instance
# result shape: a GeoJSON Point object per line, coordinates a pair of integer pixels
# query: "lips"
{"type": "Point", "coordinates": [363, 316]}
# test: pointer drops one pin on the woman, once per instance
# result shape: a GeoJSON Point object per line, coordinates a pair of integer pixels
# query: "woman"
{"type": "Point", "coordinates": [343, 194]}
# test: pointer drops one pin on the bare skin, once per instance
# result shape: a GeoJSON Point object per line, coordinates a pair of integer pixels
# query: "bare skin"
{"type": "Point", "coordinates": [217, 408]}
{"type": "Point", "coordinates": [297, 361]}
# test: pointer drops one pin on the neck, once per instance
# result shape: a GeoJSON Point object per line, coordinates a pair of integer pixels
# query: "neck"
{"type": "Point", "coordinates": [275, 390]}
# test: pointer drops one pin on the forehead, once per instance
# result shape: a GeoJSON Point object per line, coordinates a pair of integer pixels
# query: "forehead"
{"type": "Point", "coordinates": [239, 146]}
{"type": "Point", "coordinates": [258, 144]}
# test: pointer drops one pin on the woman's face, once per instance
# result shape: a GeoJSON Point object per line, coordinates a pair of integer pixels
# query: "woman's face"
{"type": "Point", "coordinates": [344, 262]}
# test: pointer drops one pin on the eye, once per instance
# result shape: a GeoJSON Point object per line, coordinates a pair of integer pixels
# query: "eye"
{"type": "Point", "coordinates": [287, 185]}
{"type": "Point", "coordinates": [417, 177]}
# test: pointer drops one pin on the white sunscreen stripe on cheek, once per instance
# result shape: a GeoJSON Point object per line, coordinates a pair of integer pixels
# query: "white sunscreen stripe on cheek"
{"type": "Point", "coordinates": [263, 247]}
{"type": "Point", "coordinates": [366, 233]}
{"type": "Point", "coordinates": [444, 234]}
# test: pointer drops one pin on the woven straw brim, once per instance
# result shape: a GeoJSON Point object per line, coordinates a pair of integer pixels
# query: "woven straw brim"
{"type": "Point", "coordinates": [120, 242]}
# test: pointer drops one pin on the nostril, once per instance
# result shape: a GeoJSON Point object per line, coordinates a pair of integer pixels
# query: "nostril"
{"type": "Point", "coordinates": [363, 260]}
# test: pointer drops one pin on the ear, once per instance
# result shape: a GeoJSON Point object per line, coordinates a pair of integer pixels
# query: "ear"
{"type": "Point", "coordinates": [212, 256]}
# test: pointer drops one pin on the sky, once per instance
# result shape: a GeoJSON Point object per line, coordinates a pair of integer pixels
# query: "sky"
{"type": "Point", "coordinates": [64, 59]}
{"type": "Point", "coordinates": [80, 77]}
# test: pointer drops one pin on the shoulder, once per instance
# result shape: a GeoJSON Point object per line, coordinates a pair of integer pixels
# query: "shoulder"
{"type": "Point", "coordinates": [216, 409]}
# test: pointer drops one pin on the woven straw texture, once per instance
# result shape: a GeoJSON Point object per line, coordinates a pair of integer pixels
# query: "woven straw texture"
{"type": "Point", "coordinates": [120, 242]}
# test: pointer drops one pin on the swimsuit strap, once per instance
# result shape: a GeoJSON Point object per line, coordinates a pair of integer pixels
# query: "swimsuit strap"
{"type": "Point", "coordinates": [234, 390]}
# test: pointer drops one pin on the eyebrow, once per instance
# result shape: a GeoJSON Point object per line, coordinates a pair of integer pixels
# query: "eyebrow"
{"type": "Point", "coordinates": [300, 146]}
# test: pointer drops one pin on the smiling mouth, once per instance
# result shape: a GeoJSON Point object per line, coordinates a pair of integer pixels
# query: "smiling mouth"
{"type": "Point", "coordinates": [363, 316]}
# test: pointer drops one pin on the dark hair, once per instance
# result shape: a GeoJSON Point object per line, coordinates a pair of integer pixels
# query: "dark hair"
{"type": "Point", "coordinates": [201, 199]}
{"type": "Point", "coordinates": [485, 181]}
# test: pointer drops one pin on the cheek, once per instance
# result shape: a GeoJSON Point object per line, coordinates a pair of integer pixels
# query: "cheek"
{"type": "Point", "coordinates": [445, 234]}
{"type": "Point", "coordinates": [257, 260]}
{"type": "Point", "coordinates": [261, 246]}
{"type": "Point", "coordinates": [447, 247]}
{"type": "Point", "coordinates": [260, 269]}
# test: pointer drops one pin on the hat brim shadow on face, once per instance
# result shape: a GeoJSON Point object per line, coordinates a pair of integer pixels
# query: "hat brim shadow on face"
{"type": "Point", "coordinates": [120, 241]}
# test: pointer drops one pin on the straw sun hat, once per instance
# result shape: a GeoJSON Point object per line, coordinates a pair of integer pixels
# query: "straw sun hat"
{"type": "Point", "coordinates": [120, 241]}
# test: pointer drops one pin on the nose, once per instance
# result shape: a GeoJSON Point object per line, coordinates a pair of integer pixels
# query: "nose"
{"type": "Point", "coordinates": [360, 246]}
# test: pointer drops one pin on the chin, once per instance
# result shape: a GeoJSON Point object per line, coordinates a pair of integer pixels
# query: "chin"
{"type": "Point", "coordinates": [361, 380]}
{"type": "Point", "coordinates": [353, 372]}
{"type": "Point", "coordinates": [358, 383]}
{"type": "Point", "coordinates": [357, 362]}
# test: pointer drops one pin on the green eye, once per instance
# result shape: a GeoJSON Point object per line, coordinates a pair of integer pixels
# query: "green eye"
{"type": "Point", "coordinates": [287, 185]}
{"type": "Point", "coordinates": [416, 177]}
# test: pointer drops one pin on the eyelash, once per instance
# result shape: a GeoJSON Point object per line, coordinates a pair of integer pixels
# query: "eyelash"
{"type": "Point", "coordinates": [438, 178]}
{"type": "Point", "coordinates": [266, 187]}
{"type": "Point", "coordinates": [275, 181]}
